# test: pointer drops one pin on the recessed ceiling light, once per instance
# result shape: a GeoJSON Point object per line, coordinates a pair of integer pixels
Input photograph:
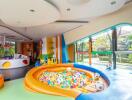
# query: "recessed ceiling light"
{"type": "Point", "coordinates": [68, 9]}
{"type": "Point", "coordinates": [113, 2]}
{"type": "Point", "coordinates": [32, 10]}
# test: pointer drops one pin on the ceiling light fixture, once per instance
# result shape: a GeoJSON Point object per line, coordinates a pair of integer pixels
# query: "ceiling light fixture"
{"type": "Point", "coordinates": [68, 9]}
{"type": "Point", "coordinates": [32, 10]}
{"type": "Point", "coordinates": [113, 2]}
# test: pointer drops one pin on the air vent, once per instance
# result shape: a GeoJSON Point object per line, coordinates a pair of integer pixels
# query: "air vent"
{"type": "Point", "coordinates": [72, 21]}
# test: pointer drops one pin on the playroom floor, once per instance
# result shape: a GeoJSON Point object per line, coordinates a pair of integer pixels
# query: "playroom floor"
{"type": "Point", "coordinates": [14, 90]}
{"type": "Point", "coordinates": [120, 89]}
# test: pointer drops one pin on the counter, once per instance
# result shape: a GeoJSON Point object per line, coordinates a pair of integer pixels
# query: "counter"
{"type": "Point", "coordinates": [15, 67]}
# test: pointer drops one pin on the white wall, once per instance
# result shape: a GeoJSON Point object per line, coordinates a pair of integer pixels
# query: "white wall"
{"type": "Point", "coordinates": [44, 46]}
{"type": "Point", "coordinates": [18, 47]}
{"type": "Point", "coordinates": [124, 15]}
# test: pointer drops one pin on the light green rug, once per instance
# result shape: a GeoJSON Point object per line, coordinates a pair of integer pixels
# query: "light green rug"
{"type": "Point", "coordinates": [14, 90]}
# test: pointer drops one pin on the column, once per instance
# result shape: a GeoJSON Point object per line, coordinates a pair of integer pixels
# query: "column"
{"type": "Point", "coordinates": [114, 46]}
{"type": "Point", "coordinates": [90, 51]}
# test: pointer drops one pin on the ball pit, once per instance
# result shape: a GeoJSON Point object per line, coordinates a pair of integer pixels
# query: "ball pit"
{"type": "Point", "coordinates": [64, 80]}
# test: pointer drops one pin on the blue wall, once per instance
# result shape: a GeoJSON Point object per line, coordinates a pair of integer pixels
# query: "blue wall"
{"type": "Point", "coordinates": [65, 58]}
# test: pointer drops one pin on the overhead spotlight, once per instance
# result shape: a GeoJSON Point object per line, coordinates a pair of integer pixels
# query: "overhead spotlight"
{"type": "Point", "coordinates": [113, 2]}
{"type": "Point", "coordinates": [32, 10]}
{"type": "Point", "coordinates": [68, 9]}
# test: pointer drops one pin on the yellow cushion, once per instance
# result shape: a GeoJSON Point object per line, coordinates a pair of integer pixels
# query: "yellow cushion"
{"type": "Point", "coordinates": [6, 64]}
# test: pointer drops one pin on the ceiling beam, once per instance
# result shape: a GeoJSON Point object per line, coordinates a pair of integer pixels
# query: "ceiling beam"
{"type": "Point", "coordinates": [72, 21]}
{"type": "Point", "coordinates": [16, 32]}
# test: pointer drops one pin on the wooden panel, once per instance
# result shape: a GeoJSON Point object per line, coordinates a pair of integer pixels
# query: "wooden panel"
{"type": "Point", "coordinates": [71, 52]}
{"type": "Point", "coordinates": [27, 49]}
{"type": "Point", "coordinates": [60, 36]}
{"type": "Point", "coordinates": [50, 42]}
{"type": "Point", "coordinates": [57, 49]}
{"type": "Point", "coordinates": [90, 51]}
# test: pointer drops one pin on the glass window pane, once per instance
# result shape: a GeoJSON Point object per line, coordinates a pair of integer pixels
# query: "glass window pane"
{"type": "Point", "coordinates": [124, 60]}
{"type": "Point", "coordinates": [81, 53]}
{"type": "Point", "coordinates": [124, 46]}
{"type": "Point", "coordinates": [102, 49]}
{"type": "Point", "coordinates": [7, 50]}
{"type": "Point", "coordinates": [102, 41]}
{"type": "Point", "coordinates": [124, 38]}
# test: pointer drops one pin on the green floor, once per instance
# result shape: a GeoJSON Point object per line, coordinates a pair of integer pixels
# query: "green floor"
{"type": "Point", "coordinates": [14, 90]}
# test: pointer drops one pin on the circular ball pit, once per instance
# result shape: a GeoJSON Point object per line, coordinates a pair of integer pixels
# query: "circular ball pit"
{"type": "Point", "coordinates": [69, 80]}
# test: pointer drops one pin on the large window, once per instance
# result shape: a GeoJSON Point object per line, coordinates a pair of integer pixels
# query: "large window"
{"type": "Point", "coordinates": [82, 51]}
{"type": "Point", "coordinates": [103, 47]}
{"type": "Point", "coordinates": [124, 45]}
{"type": "Point", "coordinates": [102, 41]}
{"type": "Point", "coordinates": [7, 49]}
{"type": "Point", "coordinates": [124, 38]}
